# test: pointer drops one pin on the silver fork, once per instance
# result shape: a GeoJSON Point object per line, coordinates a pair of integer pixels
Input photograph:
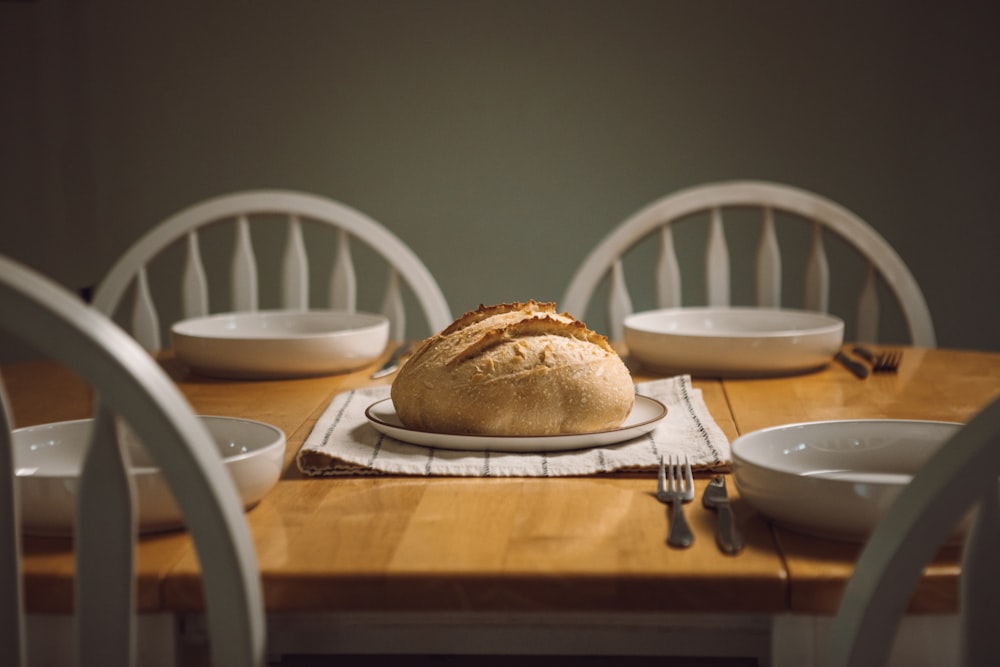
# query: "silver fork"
{"type": "Point", "coordinates": [882, 362]}
{"type": "Point", "coordinates": [887, 362]}
{"type": "Point", "coordinates": [675, 488]}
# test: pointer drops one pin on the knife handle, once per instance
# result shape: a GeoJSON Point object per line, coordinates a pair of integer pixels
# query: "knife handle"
{"type": "Point", "coordinates": [855, 367]}
{"type": "Point", "coordinates": [727, 534]}
{"type": "Point", "coordinates": [864, 353]}
{"type": "Point", "coordinates": [679, 533]}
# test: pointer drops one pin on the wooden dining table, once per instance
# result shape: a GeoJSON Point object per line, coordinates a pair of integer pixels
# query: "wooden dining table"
{"type": "Point", "coordinates": [516, 565]}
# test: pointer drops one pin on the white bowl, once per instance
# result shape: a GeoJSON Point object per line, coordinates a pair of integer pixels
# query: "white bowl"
{"type": "Point", "coordinates": [48, 459]}
{"type": "Point", "coordinates": [280, 343]}
{"type": "Point", "coordinates": [733, 342]}
{"type": "Point", "coordinates": [834, 479]}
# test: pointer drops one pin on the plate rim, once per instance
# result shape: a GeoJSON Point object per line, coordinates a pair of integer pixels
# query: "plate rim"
{"type": "Point", "coordinates": [561, 442]}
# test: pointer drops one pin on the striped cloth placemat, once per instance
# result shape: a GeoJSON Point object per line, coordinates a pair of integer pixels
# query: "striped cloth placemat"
{"type": "Point", "coordinates": [343, 442]}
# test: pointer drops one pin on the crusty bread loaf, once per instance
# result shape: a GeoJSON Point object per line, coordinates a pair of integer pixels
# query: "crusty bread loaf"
{"type": "Point", "coordinates": [514, 369]}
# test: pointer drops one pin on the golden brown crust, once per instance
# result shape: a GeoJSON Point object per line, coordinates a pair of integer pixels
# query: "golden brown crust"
{"type": "Point", "coordinates": [484, 312]}
{"type": "Point", "coordinates": [514, 369]}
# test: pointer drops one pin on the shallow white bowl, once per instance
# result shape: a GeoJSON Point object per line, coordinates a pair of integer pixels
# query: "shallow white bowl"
{"type": "Point", "coordinates": [279, 343]}
{"type": "Point", "coordinates": [836, 478]}
{"type": "Point", "coordinates": [48, 459]}
{"type": "Point", "coordinates": [733, 342]}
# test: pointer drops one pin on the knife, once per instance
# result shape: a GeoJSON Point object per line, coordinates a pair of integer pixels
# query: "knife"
{"type": "Point", "coordinates": [864, 353]}
{"type": "Point", "coordinates": [727, 535]}
{"type": "Point", "coordinates": [855, 367]}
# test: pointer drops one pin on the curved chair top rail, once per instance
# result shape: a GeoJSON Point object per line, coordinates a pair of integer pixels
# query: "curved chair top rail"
{"type": "Point", "coordinates": [320, 209]}
{"type": "Point", "coordinates": [757, 194]}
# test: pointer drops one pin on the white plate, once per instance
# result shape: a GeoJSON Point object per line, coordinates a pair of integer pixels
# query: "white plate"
{"type": "Point", "coordinates": [834, 479]}
{"type": "Point", "coordinates": [279, 343]}
{"type": "Point", "coordinates": [646, 414]}
{"type": "Point", "coordinates": [733, 342]}
{"type": "Point", "coordinates": [48, 458]}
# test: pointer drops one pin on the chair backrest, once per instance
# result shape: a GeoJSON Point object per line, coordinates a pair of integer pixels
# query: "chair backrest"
{"type": "Point", "coordinates": [770, 198]}
{"type": "Point", "coordinates": [962, 474]}
{"type": "Point", "coordinates": [293, 208]}
{"type": "Point", "coordinates": [129, 385]}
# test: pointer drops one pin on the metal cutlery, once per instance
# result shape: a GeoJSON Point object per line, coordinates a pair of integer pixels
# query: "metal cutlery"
{"type": "Point", "coordinates": [864, 353]}
{"type": "Point", "coordinates": [888, 362]}
{"type": "Point", "coordinates": [727, 533]}
{"type": "Point", "coordinates": [853, 365]}
{"type": "Point", "coordinates": [882, 362]}
{"type": "Point", "coordinates": [675, 486]}
{"type": "Point", "coordinates": [392, 363]}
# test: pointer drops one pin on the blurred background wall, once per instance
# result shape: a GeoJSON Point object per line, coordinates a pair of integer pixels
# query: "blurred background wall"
{"type": "Point", "coordinates": [502, 139]}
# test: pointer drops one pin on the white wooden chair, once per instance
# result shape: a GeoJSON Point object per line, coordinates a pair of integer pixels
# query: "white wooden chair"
{"type": "Point", "coordinates": [962, 475]}
{"type": "Point", "coordinates": [295, 209]}
{"type": "Point", "coordinates": [127, 383]}
{"type": "Point", "coordinates": [606, 259]}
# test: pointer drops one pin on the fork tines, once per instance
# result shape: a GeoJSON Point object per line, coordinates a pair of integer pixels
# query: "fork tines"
{"type": "Point", "coordinates": [687, 483]}
{"type": "Point", "coordinates": [887, 362]}
{"type": "Point", "coordinates": [675, 477]}
{"type": "Point", "coordinates": [881, 362]}
{"type": "Point", "coordinates": [675, 486]}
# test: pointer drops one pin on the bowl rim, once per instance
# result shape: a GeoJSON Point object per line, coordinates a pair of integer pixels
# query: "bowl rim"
{"type": "Point", "coordinates": [739, 442]}
{"type": "Point", "coordinates": [826, 322]}
{"type": "Point", "coordinates": [361, 322]}
{"type": "Point", "coordinates": [281, 442]}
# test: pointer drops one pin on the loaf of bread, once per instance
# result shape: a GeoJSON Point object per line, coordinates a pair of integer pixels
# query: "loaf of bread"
{"type": "Point", "coordinates": [514, 369]}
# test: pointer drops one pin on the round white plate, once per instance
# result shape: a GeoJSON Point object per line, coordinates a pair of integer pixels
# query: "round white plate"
{"type": "Point", "coordinates": [48, 459]}
{"type": "Point", "coordinates": [733, 342]}
{"type": "Point", "coordinates": [279, 343]}
{"type": "Point", "coordinates": [646, 414]}
{"type": "Point", "coordinates": [833, 479]}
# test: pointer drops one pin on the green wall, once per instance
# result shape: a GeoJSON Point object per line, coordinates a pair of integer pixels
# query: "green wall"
{"type": "Point", "coordinates": [502, 140]}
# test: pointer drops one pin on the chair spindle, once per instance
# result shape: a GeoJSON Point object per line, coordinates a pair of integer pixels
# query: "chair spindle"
{"type": "Point", "coordinates": [768, 263]}
{"type": "Point", "coordinates": [868, 308]}
{"type": "Point", "coordinates": [295, 269]}
{"type": "Point", "coordinates": [244, 269]}
{"type": "Point", "coordinates": [817, 279]}
{"type": "Point", "coordinates": [668, 271]}
{"type": "Point", "coordinates": [195, 285]}
{"type": "Point", "coordinates": [717, 262]}
{"type": "Point", "coordinates": [619, 302]}
{"type": "Point", "coordinates": [392, 306]}
{"type": "Point", "coordinates": [145, 323]}
{"type": "Point", "coordinates": [105, 545]}
{"type": "Point", "coordinates": [343, 280]}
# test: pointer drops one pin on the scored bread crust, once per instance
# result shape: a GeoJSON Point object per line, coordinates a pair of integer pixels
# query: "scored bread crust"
{"type": "Point", "coordinates": [514, 369]}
